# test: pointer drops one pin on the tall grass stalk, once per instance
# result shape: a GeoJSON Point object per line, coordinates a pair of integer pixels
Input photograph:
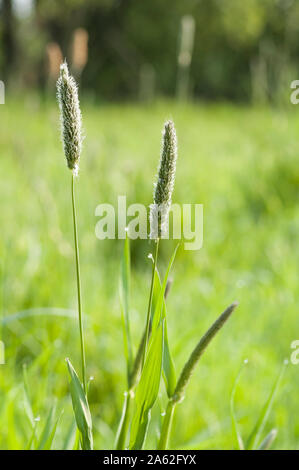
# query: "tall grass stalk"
{"type": "Point", "coordinates": [78, 276]}
{"type": "Point", "coordinates": [71, 132]}
{"type": "Point", "coordinates": [163, 189]}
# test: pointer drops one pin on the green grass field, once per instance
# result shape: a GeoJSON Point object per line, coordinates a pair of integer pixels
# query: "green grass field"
{"type": "Point", "coordinates": [242, 164]}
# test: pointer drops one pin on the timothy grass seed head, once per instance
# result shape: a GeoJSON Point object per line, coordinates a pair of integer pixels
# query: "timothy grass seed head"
{"type": "Point", "coordinates": [163, 188]}
{"type": "Point", "coordinates": [70, 117]}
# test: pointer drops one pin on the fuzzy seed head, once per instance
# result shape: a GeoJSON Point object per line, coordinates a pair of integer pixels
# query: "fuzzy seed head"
{"type": "Point", "coordinates": [163, 188]}
{"type": "Point", "coordinates": [70, 117]}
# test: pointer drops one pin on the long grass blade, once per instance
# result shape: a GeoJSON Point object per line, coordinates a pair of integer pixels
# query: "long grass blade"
{"type": "Point", "coordinates": [81, 408]}
{"type": "Point", "coordinates": [268, 441]}
{"type": "Point", "coordinates": [261, 422]}
{"type": "Point", "coordinates": [237, 436]}
{"type": "Point", "coordinates": [49, 431]}
{"type": "Point", "coordinates": [33, 436]}
{"type": "Point", "coordinates": [70, 436]}
{"type": "Point", "coordinates": [158, 311]}
{"type": "Point", "coordinates": [169, 373]}
{"type": "Point", "coordinates": [27, 400]}
{"type": "Point", "coordinates": [147, 389]}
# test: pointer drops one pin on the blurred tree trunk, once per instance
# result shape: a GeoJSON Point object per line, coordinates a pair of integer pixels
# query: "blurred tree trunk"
{"type": "Point", "coordinates": [8, 39]}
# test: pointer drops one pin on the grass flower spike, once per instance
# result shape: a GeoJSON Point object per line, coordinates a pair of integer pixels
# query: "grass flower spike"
{"type": "Point", "coordinates": [71, 122]}
{"type": "Point", "coordinates": [164, 186]}
{"type": "Point", "coordinates": [67, 95]}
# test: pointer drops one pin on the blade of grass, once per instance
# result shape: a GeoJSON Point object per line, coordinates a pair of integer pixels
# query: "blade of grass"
{"type": "Point", "coordinates": [149, 308]}
{"type": "Point", "coordinates": [81, 408]}
{"type": "Point", "coordinates": [236, 434]}
{"type": "Point", "coordinates": [49, 430]}
{"type": "Point", "coordinates": [70, 435]}
{"type": "Point", "coordinates": [169, 374]}
{"type": "Point", "coordinates": [27, 401]}
{"type": "Point", "coordinates": [260, 424]}
{"type": "Point", "coordinates": [76, 445]}
{"type": "Point", "coordinates": [268, 441]}
{"type": "Point", "coordinates": [160, 298]}
{"type": "Point", "coordinates": [147, 389]}
{"type": "Point", "coordinates": [33, 435]}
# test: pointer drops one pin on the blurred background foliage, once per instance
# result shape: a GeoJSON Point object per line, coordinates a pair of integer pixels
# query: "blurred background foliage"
{"type": "Point", "coordinates": [238, 47]}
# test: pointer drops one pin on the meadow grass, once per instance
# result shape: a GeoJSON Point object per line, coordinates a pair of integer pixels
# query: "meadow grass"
{"type": "Point", "coordinates": [241, 164]}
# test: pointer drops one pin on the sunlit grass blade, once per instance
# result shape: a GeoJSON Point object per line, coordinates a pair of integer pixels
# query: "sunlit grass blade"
{"type": "Point", "coordinates": [159, 301]}
{"type": "Point", "coordinates": [70, 436]}
{"type": "Point", "coordinates": [148, 388]}
{"type": "Point", "coordinates": [49, 431]}
{"type": "Point", "coordinates": [33, 436]}
{"type": "Point", "coordinates": [27, 400]}
{"type": "Point", "coordinates": [81, 409]}
{"type": "Point", "coordinates": [268, 441]}
{"type": "Point", "coordinates": [76, 445]}
{"type": "Point", "coordinates": [169, 373]}
{"type": "Point", "coordinates": [124, 292]}
{"type": "Point", "coordinates": [237, 436]}
{"type": "Point", "coordinates": [255, 436]}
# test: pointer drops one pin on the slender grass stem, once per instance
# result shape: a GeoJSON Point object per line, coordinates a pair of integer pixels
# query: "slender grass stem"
{"type": "Point", "coordinates": [83, 363]}
{"type": "Point", "coordinates": [148, 317]}
{"type": "Point", "coordinates": [166, 427]}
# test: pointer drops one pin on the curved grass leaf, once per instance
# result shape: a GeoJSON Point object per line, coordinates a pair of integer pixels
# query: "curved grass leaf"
{"type": "Point", "coordinates": [27, 401]}
{"type": "Point", "coordinates": [70, 435]}
{"type": "Point", "coordinates": [259, 427]}
{"type": "Point", "coordinates": [159, 299]}
{"type": "Point", "coordinates": [81, 408]}
{"type": "Point", "coordinates": [268, 441]}
{"type": "Point", "coordinates": [169, 373]}
{"type": "Point", "coordinates": [49, 431]}
{"type": "Point", "coordinates": [33, 436]}
{"type": "Point", "coordinates": [38, 312]}
{"type": "Point", "coordinates": [237, 436]}
{"type": "Point", "coordinates": [148, 388]}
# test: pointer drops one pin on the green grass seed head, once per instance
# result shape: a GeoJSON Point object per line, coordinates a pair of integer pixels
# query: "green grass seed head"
{"type": "Point", "coordinates": [163, 188]}
{"type": "Point", "coordinates": [70, 116]}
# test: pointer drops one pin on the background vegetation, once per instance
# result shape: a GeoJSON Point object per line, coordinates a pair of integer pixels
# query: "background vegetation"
{"type": "Point", "coordinates": [235, 44]}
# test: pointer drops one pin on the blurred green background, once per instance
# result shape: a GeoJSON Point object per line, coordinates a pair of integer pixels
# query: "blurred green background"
{"type": "Point", "coordinates": [222, 71]}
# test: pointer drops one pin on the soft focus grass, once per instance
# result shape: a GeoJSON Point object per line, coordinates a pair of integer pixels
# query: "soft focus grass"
{"type": "Point", "coordinates": [242, 164]}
